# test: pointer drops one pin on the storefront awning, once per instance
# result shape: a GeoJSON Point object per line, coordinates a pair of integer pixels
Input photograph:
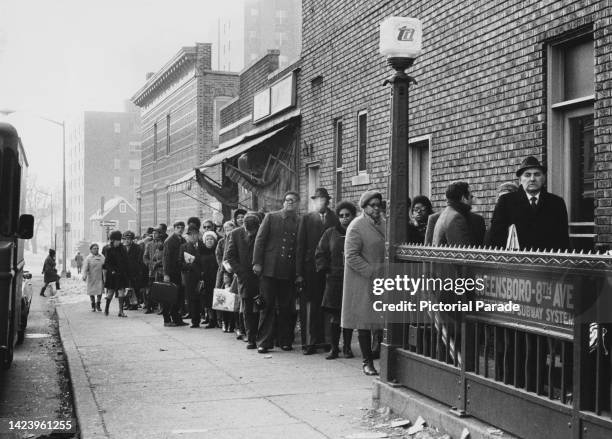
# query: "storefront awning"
{"type": "Point", "coordinates": [184, 183]}
{"type": "Point", "coordinates": [239, 148]}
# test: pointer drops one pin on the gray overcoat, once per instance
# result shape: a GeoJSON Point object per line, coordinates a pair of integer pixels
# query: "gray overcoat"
{"type": "Point", "coordinates": [364, 253]}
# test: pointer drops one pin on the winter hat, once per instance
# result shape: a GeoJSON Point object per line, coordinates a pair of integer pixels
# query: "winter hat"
{"type": "Point", "coordinates": [209, 233]}
{"type": "Point", "coordinates": [367, 196]}
{"type": "Point", "coordinates": [115, 235]}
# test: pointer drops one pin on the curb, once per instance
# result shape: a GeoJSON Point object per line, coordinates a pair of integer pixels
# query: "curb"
{"type": "Point", "coordinates": [410, 405]}
{"type": "Point", "coordinates": [89, 418]}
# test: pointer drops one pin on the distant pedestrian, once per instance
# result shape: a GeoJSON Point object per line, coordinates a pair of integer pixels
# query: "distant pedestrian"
{"type": "Point", "coordinates": [116, 277]}
{"type": "Point", "coordinates": [78, 259]}
{"type": "Point", "coordinates": [456, 225]}
{"type": "Point", "coordinates": [540, 217]}
{"type": "Point", "coordinates": [329, 257]}
{"type": "Point", "coordinates": [420, 211]}
{"type": "Point", "coordinates": [93, 275]}
{"type": "Point", "coordinates": [364, 252]}
{"type": "Point", "coordinates": [49, 271]}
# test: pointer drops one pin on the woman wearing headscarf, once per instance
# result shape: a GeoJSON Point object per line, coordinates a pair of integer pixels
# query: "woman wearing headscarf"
{"type": "Point", "coordinates": [329, 258]}
{"type": "Point", "coordinates": [94, 276]}
{"type": "Point", "coordinates": [364, 252]}
{"type": "Point", "coordinates": [419, 214]}
{"type": "Point", "coordinates": [209, 275]}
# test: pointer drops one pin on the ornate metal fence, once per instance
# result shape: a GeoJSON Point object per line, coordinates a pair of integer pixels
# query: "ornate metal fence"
{"type": "Point", "coordinates": [541, 371]}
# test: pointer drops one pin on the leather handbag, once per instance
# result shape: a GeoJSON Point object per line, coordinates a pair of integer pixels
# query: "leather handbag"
{"type": "Point", "coordinates": [164, 292]}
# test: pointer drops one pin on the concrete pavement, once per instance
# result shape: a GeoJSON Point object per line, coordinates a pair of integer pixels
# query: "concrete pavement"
{"type": "Point", "coordinates": [135, 378]}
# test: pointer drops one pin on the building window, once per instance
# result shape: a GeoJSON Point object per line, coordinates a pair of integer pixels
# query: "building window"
{"type": "Point", "coordinates": [338, 156]}
{"type": "Point", "coordinates": [362, 140]}
{"type": "Point", "coordinates": [134, 164]}
{"type": "Point", "coordinates": [281, 16]}
{"type": "Point", "coordinates": [570, 133]}
{"type": "Point", "coordinates": [122, 208]}
{"type": "Point", "coordinates": [131, 225]}
{"type": "Point", "coordinates": [168, 207]}
{"type": "Point", "coordinates": [154, 142]}
{"type": "Point", "coordinates": [134, 147]}
{"type": "Point", "coordinates": [117, 181]}
{"type": "Point", "coordinates": [418, 166]}
{"type": "Point", "coordinates": [117, 164]}
{"type": "Point", "coordinates": [168, 134]}
{"type": "Point", "coordinates": [117, 127]}
{"type": "Point", "coordinates": [314, 176]}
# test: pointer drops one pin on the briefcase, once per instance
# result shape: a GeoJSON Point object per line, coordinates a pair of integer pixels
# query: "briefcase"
{"type": "Point", "coordinates": [164, 292]}
{"type": "Point", "coordinates": [225, 300]}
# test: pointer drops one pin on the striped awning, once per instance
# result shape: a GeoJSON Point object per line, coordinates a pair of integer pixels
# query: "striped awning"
{"type": "Point", "coordinates": [184, 183]}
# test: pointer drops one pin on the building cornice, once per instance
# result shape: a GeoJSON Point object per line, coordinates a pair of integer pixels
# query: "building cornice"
{"type": "Point", "coordinates": [184, 58]}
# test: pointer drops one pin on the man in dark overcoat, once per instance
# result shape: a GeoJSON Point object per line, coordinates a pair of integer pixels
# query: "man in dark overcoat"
{"type": "Point", "coordinates": [312, 283]}
{"type": "Point", "coordinates": [456, 225]}
{"type": "Point", "coordinates": [172, 273]}
{"type": "Point", "coordinates": [134, 268]}
{"type": "Point", "coordinates": [540, 217]}
{"type": "Point", "coordinates": [239, 255]}
{"type": "Point", "coordinates": [274, 262]}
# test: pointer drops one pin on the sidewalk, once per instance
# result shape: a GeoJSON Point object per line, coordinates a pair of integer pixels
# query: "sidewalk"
{"type": "Point", "coordinates": [134, 378]}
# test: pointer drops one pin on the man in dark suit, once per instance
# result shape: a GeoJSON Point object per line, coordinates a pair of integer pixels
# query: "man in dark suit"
{"type": "Point", "coordinates": [239, 255]}
{"type": "Point", "coordinates": [312, 283]}
{"type": "Point", "coordinates": [274, 262]}
{"type": "Point", "coordinates": [456, 225]}
{"type": "Point", "coordinates": [540, 217]}
{"type": "Point", "coordinates": [134, 268]}
{"type": "Point", "coordinates": [172, 273]}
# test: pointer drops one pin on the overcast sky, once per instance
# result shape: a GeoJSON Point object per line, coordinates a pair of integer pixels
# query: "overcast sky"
{"type": "Point", "coordinates": [60, 57]}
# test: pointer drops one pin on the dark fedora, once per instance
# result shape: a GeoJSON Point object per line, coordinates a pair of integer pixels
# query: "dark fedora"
{"type": "Point", "coordinates": [530, 162]}
{"type": "Point", "coordinates": [321, 192]}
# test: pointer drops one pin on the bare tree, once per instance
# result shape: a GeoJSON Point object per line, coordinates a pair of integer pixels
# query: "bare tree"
{"type": "Point", "coordinates": [38, 203]}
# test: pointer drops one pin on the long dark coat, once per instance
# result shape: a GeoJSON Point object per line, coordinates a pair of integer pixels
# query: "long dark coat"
{"type": "Point", "coordinates": [192, 273]}
{"type": "Point", "coordinates": [455, 227]}
{"type": "Point", "coordinates": [115, 264]}
{"type": "Point", "coordinates": [476, 224]}
{"type": "Point", "coordinates": [329, 258]}
{"type": "Point", "coordinates": [239, 254]}
{"type": "Point", "coordinates": [310, 230]}
{"type": "Point", "coordinates": [544, 228]}
{"type": "Point", "coordinates": [275, 245]}
{"type": "Point", "coordinates": [49, 270]}
{"type": "Point", "coordinates": [134, 268]}
{"type": "Point", "coordinates": [209, 273]}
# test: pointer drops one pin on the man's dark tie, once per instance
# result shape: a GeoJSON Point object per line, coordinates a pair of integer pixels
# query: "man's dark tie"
{"type": "Point", "coordinates": [534, 203]}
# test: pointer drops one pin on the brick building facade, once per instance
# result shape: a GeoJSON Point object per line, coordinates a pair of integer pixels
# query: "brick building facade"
{"type": "Point", "coordinates": [180, 106]}
{"type": "Point", "coordinates": [497, 81]}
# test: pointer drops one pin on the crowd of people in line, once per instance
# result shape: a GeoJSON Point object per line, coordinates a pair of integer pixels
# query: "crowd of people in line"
{"type": "Point", "coordinates": [317, 267]}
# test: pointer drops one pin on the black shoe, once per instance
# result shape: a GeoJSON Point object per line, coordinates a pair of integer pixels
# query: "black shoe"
{"type": "Point", "coordinates": [286, 347]}
{"type": "Point", "coordinates": [310, 350]}
{"type": "Point", "coordinates": [98, 307]}
{"type": "Point", "coordinates": [348, 353]}
{"type": "Point", "coordinates": [170, 324]}
{"type": "Point", "coordinates": [251, 346]}
{"type": "Point", "coordinates": [194, 326]}
{"type": "Point", "coordinates": [333, 354]}
{"type": "Point", "coordinates": [368, 368]}
{"type": "Point", "coordinates": [262, 350]}
{"type": "Point", "coordinates": [181, 323]}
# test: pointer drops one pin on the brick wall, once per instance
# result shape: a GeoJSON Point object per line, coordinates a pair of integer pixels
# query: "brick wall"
{"type": "Point", "coordinates": [481, 92]}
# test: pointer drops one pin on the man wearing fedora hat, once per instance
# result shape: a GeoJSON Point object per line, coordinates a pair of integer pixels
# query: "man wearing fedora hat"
{"type": "Point", "coordinates": [312, 283]}
{"type": "Point", "coordinates": [539, 216]}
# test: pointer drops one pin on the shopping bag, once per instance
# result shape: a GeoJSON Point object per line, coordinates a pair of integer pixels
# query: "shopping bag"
{"type": "Point", "coordinates": [225, 300]}
{"type": "Point", "coordinates": [164, 292]}
{"type": "Point", "coordinates": [512, 243]}
{"type": "Point", "coordinates": [131, 294]}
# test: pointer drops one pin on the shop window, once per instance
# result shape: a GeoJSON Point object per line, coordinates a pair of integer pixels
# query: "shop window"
{"type": "Point", "coordinates": [571, 95]}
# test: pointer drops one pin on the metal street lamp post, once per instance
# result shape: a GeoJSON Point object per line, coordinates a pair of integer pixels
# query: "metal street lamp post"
{"type": "Point", "coordinates": [400, 42]}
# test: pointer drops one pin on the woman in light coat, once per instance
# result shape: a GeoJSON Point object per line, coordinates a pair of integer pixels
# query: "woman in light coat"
{"type": "Point", "coordinates": [364, 252]}
{"type": "Point", "coordinates": [93, 275]}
